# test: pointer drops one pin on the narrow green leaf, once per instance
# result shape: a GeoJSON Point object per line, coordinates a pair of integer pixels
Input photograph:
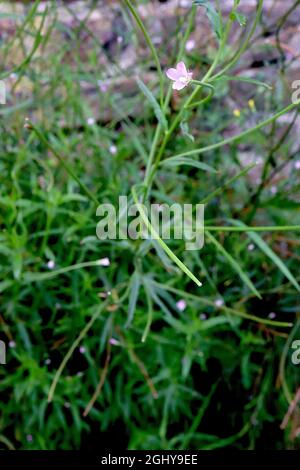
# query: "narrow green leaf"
{"type": "Point", "coordinates": [150, 44]}
{"type": "Point", "coordinates": [154, 103]}
{"type": "Point", "coordinates": [219, 190]}
{"type": "Point", "coordinates": [241, 19]}
{"type": "Point", "coordinates": [17, 264]}
{"type": "Point", "coordinates": [213, 16]}
{"type": "Point", "coordinates": [156, 236]}
{"type": "Point", "coordinates": [5, 285]}
{"type": "Point", "coordinates": [282, 202]}
{"type": "Point", "coordinates": [238, 78]}
{"type": "Point", "coordinates": [184, 126]}
{"type": "Point", "coordinates": [135, 284]}
{"type": "Point", "coordinates": [29, 277]}
{"type": "Point", "coordinates": [172, 162]}
{"type": "Point", "coordinates": [210, 303]}
{"type": "Point", "coordinates": [150, 310]}
{"type": "Point", "coordinates": [234, 264]}
{"type": "Point", "coordinates": [269, 253]}
{"type": "Point", "coordinates": [242, 135]}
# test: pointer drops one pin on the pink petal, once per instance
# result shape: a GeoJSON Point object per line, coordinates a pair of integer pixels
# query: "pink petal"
{"type": "Point", "coordinates": [178, 85]}
{"type": "Point", "coordinates": [181, 305]}
{"type": "Point", "coordinates": [190, 75]}
{"type": "Point", "coordinates": [172, 74]}
{"type": "Point", "coordinates": [181, 68]}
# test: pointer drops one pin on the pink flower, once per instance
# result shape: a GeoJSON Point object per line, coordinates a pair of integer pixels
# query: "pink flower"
{"type": "Point", "coordinates": [180, 76]}
{"type": "Point", "coordinates": [114, 342]}
{"type": "Point", "coordinates": [181, 305]}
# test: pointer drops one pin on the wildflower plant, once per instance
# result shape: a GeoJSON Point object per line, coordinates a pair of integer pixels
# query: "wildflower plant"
{"type": "Point", "coordinates": [148, 323]}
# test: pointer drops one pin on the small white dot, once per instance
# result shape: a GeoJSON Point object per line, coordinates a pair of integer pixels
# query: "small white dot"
{"type": "Point", "coordinates": [51, 264]}
{"type": "Point", "coordinates": [219, 302]}
{"type": "Point", "coordinates": [181, 305]}
{"type": "Point", "coordinates": [185, 3]}
{"type": "Point", "coordinates": [297, 165]}
{"type": "Point", "coordinates": [12, 344]}
{"type": "Point", "coordinates": [190, 45]}
{"type": "Point", "coordinates": [104, 262]}
{"type": "Point", "coordinates": [113, 149]}
{"type": "Point", "coordinates": [272, 315]}
{"type": "Point", "coordinates": [90, 121]}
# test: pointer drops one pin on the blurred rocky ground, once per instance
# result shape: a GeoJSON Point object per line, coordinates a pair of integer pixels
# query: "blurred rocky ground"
{"type": "Point", "coordinates": [74, 30]}
{"type": "Point", "coordinates": [275, 49]}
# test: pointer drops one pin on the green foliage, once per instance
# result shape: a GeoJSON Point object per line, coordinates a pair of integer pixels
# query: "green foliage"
{"type": "Point", "coordinates": [214, 17]}
{"type": "Point", "coordinates": [99, 351]}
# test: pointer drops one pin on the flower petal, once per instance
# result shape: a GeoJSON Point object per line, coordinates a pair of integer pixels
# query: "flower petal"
{"type": "Point", "coordinates": [178, 85]}
{"type": "Point", "coordinates": [173, 74]}
{"type": "Point", "coordinates": [181, 68]}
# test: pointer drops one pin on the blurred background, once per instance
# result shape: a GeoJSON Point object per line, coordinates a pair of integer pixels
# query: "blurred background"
{"type": "Point", "coordinates": [215, 368]}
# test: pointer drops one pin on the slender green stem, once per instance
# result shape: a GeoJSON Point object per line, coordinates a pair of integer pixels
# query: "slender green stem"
{"type": "Point", "coordinates": [156, 236]}
{"type": "Point", "coordinates": [237, 78]}
{"type": "Point", "coordinates": [219, 52]}
{"type": "Point", "coordinates": [243, 48]}
{"type": "Point", "coordinates": [279, 228]}
{"type": "Point", "coordinates": [72, 349]}
{"type": "Point", "coordinates": [187, 104]}
{"type": "Point", "coordinates": [204, 100]}
{"type": "Point", "coordinates": [242, 134]}
{"type": "Point", "coordinates": [203, 84]}
{"type": "Point", "coordinates": [37, 41]}
{"type": "Point", "coordinates": [145, 33]}
{"type": "Point", "coordinates": [255, 197]}
{"type": "Point", "coordinates": [152, 153]}
{"type": "Point", "coordinates": [219, 190]}
{"type": "Point", "coordinates": [149, 316]}
{"type": "Point", "coordinates": [31, 277]}
{"type": "Point", "coordinates": [208, 77]}
{"type": "Point", "coordinates": [62, 160]}
{"type": "Point", "coordinates": [211, 303]}
{"type": "Point", "coordinates": [283, 358]}
{"type": "Point", "coordinates": [158, 131]}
